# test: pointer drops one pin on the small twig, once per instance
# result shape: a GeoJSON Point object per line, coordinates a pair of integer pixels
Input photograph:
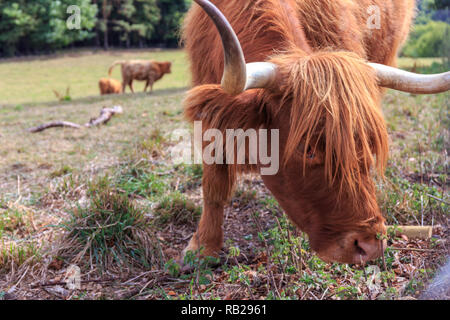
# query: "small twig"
{"type": "Point", "coordinates": [364, 267]}
{"type": "Point", "coordinates": [325, 292]}
{"type": "Point", "coordinates": [164, 173]}
{"type": "Point", "coordinates": [62, 283]}
{"type": "Point", "coordinates": [438, 199]}
{"type": "Point", "coordinates": [19, 193]}
{"type": "Point", "coordinates": [246, 284]}
{"type": "Point", "coordinates": [97, 227]}
{"type": "Point", "coordinates": [383, 257]}
{"type": "Point", "coordinates": [415, 249]}
{"type": "Point", "coordinates": [421, 210]}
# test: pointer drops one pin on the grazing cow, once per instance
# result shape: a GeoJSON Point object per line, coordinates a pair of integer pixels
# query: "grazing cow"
{"type": "Point", "coordinates": [142, 70]}
{"type": "Point", "coordinates": [302, 67]}
{"type": "Point", "coordinates": [109, 86]}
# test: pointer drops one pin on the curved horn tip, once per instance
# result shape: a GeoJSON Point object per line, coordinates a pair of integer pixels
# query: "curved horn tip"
{"type": "Point", "coordinates": [234, 74]}
{"type": "Point", "coordinates": [406, 81]}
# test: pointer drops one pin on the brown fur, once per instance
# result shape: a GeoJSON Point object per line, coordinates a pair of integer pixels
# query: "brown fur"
{"type": "Point", "coordinates": [326, 100]}
{"type": "Point", "coordinates": [142, 70]}
{"type": "Point", "coordinates": [109, 86]}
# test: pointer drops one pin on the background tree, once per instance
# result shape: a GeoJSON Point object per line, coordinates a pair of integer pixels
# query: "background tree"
{"type": "Point", "coordinates": [441, 4]}
{"type": "Point", "coordinates": [427, 40]}
{"type": "Point", "coordinates": [105, 8]}
{"type": "Point", "coordinates": [122, 22]}
{"type": "Point", "coordinates": [172, 13]}
{"type": "Point", "coordinates": [59, 35]}
{"type": "Point", "coordinates": [15, 23]}
{"type": "Point", "coordinates": [430, 36]}
{"type": "Point", "coordinates": [147, 18]}
{"type": "Point", "coordinates": [40, 26]}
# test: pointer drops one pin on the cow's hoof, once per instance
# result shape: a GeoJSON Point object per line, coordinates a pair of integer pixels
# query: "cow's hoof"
{"type": "Point", "coordinates": [213, 262]}
{"type": "Point", "coordinates": [202, 253]}
{"type": "Point", "coordinates": [211, 257]}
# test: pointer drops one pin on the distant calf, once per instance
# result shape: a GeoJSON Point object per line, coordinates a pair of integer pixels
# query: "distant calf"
{"type": "Point", "coordinates": [142, 70]}
{"type": "Point", "coordinates": [109, 86]}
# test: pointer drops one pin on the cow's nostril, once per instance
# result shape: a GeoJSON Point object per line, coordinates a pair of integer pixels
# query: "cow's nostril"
{"type": "Point", "coordinates": [359, 250]}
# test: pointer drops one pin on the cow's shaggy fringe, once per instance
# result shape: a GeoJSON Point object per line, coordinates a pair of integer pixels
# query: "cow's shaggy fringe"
{"type": "Point", "coordinates": [333, 101]}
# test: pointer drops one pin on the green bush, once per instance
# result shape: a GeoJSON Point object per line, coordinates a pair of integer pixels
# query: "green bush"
{"type": "Point", "coordinates": [40, 26]}
{"type": "Point", "coordinates": [428, 40]}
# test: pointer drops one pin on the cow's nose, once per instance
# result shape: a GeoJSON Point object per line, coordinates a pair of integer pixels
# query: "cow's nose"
{"type": "Point", "coordinates": [366, 250]}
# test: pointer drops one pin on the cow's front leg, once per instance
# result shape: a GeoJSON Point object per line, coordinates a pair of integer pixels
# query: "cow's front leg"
{"type": "Point", "coordinates": [130, 84]}
{"type": "Point", "coordinates": [150, 83]}
{"type": "Point", "coordinates": [209, 234]}
{"type": "Point", "coordinates": [217, 185]}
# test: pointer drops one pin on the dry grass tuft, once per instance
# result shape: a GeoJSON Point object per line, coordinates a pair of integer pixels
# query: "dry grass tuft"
{"type": "Point", "coordinates": [177, 210]}
{"type": "Point", "coordinates": [110, 232]}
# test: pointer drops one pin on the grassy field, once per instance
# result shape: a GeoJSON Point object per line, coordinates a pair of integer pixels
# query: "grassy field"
{"type": "Point", "coordinates": [107, 200]}
{"type": "Point", "coordinates": [33, 80]}
{"type": "Point", "coordinates": [408, 63]}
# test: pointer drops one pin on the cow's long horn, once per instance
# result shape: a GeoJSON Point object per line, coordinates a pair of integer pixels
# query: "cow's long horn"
{"type": "Point", "coordinates": [400, 80]}
{"type": "Point", "coordinates": [237, 75]}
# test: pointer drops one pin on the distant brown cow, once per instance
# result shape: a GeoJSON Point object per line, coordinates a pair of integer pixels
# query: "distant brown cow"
{"type": "Point", "coordinates": [109, 86]}
{"type": "Point", "coordinates": [142, 70]}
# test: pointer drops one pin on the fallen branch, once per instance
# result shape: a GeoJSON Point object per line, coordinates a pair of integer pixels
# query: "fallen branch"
{"type": "Point", "coordinates": [55, 124]}
{"type": "Point", "coordinates": [105, 115]}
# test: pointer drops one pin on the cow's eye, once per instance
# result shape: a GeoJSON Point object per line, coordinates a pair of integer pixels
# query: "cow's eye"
{"type": "Point", "coordinates": [313, 155]}
{"type": "Point", "coordinates": [310, 154]}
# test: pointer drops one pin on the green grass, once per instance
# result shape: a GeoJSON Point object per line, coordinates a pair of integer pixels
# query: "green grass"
{"type": "Point", "coordinates": [14, 255]}
{"type": "Point", "coordinates": [408, 63]}
{"type": "Point", "coordinates": [33, 80]}
{"type": "Point", "coordinates": [35, 157]}
{"type": "Point", "coordinates": [176, 209]}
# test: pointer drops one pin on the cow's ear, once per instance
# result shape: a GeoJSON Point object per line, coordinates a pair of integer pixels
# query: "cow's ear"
{"type": "Point", "coordinates": [220, 110]}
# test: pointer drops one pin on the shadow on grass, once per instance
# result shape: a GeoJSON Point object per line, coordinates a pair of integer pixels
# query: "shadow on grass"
{"type": "Point", "coordinates": [95, 99]}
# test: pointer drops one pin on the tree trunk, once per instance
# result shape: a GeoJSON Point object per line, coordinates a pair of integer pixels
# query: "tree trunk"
{"type": "Point", "coordinates": [105, 36]}
{"type": "Point", "coordinates": [105, 13]}
{"type": "Point", "coordinates": [97, 38]}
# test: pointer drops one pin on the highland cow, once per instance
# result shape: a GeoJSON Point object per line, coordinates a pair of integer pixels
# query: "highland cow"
{"type": "Point", "coordinates": [109, 86]}
{"type": "Point", "coordinates": [141, 70]}
{"type": "Point", "coordinates": [314, 70]}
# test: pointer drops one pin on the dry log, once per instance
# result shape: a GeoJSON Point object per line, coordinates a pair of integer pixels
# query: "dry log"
{"type": "Point", "coordinates": [414, 232]}
{"type": "Point", "coordinates": [105, 115]}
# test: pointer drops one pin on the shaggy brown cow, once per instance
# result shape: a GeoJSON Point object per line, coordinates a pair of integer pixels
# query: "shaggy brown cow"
{"type": "Point", "coordinates": [109, 86]}
{"type": "Point", "coordinates": [315, 85]}
{"type": "Point", "coordinates": [142, 70]}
